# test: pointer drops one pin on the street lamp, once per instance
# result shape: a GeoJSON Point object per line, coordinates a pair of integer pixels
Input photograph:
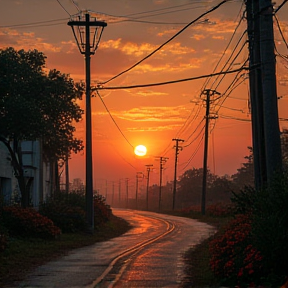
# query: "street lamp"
{"type": "Point", "coordinates": [87, 34]}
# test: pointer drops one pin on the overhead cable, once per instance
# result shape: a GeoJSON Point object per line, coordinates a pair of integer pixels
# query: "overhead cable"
{"type": "Point", "coordinates": [114, 119]}
{"type": "Point", "coordinates": [169, 40]}
{"type": "Point", "coordinates": [169, 82]}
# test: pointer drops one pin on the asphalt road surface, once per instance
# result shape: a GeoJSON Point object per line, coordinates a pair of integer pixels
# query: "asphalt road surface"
{"type": "Point", "coordinates": [149, 255]}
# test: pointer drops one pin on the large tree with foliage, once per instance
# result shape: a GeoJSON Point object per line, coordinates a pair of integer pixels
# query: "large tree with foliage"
{"type": "Point", "coordinates": [36, 105]}
{"type": "Point", "coordinates": [245, 174]}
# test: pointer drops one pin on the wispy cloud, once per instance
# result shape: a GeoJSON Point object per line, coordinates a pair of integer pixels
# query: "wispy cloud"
{"type": "Point", "coordinates": [153, 114]}
{"type": "Point", "coordinates": [25, 40]}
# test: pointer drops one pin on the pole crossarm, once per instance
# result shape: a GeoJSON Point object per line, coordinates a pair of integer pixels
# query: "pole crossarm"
{"type": "Point", "coordinates": [83, 29]}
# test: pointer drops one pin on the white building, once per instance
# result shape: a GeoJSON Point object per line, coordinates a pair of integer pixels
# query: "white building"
{"type": "Point", "coordinates": [36, 171]}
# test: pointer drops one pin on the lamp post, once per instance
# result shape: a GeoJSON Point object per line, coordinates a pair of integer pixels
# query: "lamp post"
{"type": "Point", "coordinates": [87, 34]}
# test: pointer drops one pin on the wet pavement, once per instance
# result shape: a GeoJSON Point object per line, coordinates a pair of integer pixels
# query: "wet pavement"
{"type": "Point", "coordinates": [159, 264]}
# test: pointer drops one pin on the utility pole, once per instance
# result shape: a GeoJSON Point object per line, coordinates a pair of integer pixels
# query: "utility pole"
{"type": "Point", "coordinates": [112, 202]}
{"type": "Point", "coordinates": [138, 176]}
{"type": "Point", "coordinates": [126, 180]}
{"type": "Point", "coordinates": [208, 93]}
{"type": "Point", "coordinates": [270, 105]}
{"type": "Point", "coordinates": [149, 168]}
{"type": "Point", "coordinates": [106, 189]}
{"type": "Point", "coordinates": [177, 148]}
{"type": "Point", "coordinates": [119, 193]}
{"type": "Point", "coordinates": [162, 162]}
{"type": "Point", "coordinates": [93, 30]}
{"type": "Point", "coordinates": [256, 94]}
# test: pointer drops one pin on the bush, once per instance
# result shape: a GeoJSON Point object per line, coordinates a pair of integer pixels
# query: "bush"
{"type": "Point", "coordinates": [270, 226]}
{"type": "Point", "coordinates": [102, 211]}
{"type": "Point", "coordinates": [268, 234]}
{"type": "Point", "coordinates": [219, 210]}
{"type": "Point", "coordinates": [27, 222]}
{"type": "Point", "coordinates": [68, 211]}
{"type": "Point", "coordinates": [3, 234]}
{"type": "Point", "coordinates": [233, 259]}
{"type": "Point", "coordinates": [68, 218]}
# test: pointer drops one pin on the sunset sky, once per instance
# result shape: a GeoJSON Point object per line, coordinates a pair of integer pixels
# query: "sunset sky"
{"type": "Point", "coordinates": [153, 115]}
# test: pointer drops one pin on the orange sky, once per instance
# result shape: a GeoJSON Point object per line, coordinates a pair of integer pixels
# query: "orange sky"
{"type": "Point", "coordinates": [151, 116]}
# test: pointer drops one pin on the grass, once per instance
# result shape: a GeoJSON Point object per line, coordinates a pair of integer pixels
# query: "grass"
{"type": "Point", "coordinates": [23, 255]}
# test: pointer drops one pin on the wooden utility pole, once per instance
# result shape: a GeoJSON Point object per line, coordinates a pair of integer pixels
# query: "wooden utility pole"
{"type": "Point", "coordinates": [126, 180]}
{"type": "Point", "coordinates": [162, 162]}
{"type": "Point", "coordinates": [177, 148]}
{"type": "Point", "coordinates": [119, 193]}
{"type": "Point", "coordinates": [138, 176]}
{"type": "Point", "coordinates": [256, 94]}
{"type": "Point", "coordinates": [270, 105]}
{"type": "Point", "coordinates": [113, 186]}
{"type": "Point", "coordinates": [149, 168]}
{"type": "Point", "coordinates": [208, 93]}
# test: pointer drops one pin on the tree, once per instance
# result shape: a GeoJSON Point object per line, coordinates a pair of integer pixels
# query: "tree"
{"type": "Point", "coordinates": [190, 186]}
{"type": "Point", "coordinates": [284, 144]}
{"type": "Point", "coordinates": [35, 105]}
{"type": "Point", "coordinates": [245, 174]}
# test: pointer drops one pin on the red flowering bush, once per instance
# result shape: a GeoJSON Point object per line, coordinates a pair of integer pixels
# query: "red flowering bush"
{"type": "Point", "coordinates": [28, 222]}
{"type": "Point", "coordinates": [233, 259]}
{"type": "Point", "coordinates": [219, 210]}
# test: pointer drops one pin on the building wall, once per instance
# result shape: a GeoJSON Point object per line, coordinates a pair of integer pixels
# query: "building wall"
{"type": "Point", "coordinates": [35, 170]}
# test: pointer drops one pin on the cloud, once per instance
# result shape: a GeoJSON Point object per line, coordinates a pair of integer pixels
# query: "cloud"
{"type": "Point", "coordinates": [218, 37]}
{"type": "Point", "coordinates": [148, 93]}
{"type": "Point", "coordinates": [198, 37]}
{"type": "Point", "coordinates": [26, 41]}
{"type": "Point", "coordinates": [142, 49]}
{"type": "Point", "coordinates": [160, 128]}
{"type": "Point", "coordinates": [154, 114]}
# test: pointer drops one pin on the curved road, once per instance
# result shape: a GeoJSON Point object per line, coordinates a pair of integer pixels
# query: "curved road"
{"type": "Point", "coordinates": [149, 255]}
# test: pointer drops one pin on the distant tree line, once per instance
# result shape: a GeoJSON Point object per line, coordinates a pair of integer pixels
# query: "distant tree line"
{"type": "Point", "coordinates": [220, 189]}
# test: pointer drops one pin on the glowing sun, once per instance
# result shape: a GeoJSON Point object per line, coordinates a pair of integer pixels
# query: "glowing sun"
{"type": "Point", "coordinates": [140, 150]}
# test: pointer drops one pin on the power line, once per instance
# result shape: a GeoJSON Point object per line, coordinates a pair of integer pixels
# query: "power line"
{"type": "Point", "coordinates": [169, 40]}
{"type": "Point", "coordinates": [280, 6]}
{"type": "Point", "coordinates": [166, 8]}
{"type": "Point", "coordinates": [119, 129]}
{"type": "Point", "coordinates": [280, 30]}
{"type": "Point", "coordinates": [63, 8]}
{"type": "Point", "coordinates": [224, 52]}
{"type": "Point", "coordinates": [194, 133]}
{"type": "Point", "coordinates": [169, 82]}
{"type": "Point", "coordinates": [232, 62]}
{"type": "Point", "coordinates": [194, 153]}
{"type": "Point", "coordinates": [35, 24]}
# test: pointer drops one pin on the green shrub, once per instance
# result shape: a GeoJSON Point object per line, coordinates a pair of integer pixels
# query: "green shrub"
{"type": "Point", "coordinates": [270, 226]}
{"type": "Point", "coordinates": [27, 222]}
{"type": "Point", "coordinates": [102, 211]}
{"type": "Point", "coordinates": [68, 211]}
